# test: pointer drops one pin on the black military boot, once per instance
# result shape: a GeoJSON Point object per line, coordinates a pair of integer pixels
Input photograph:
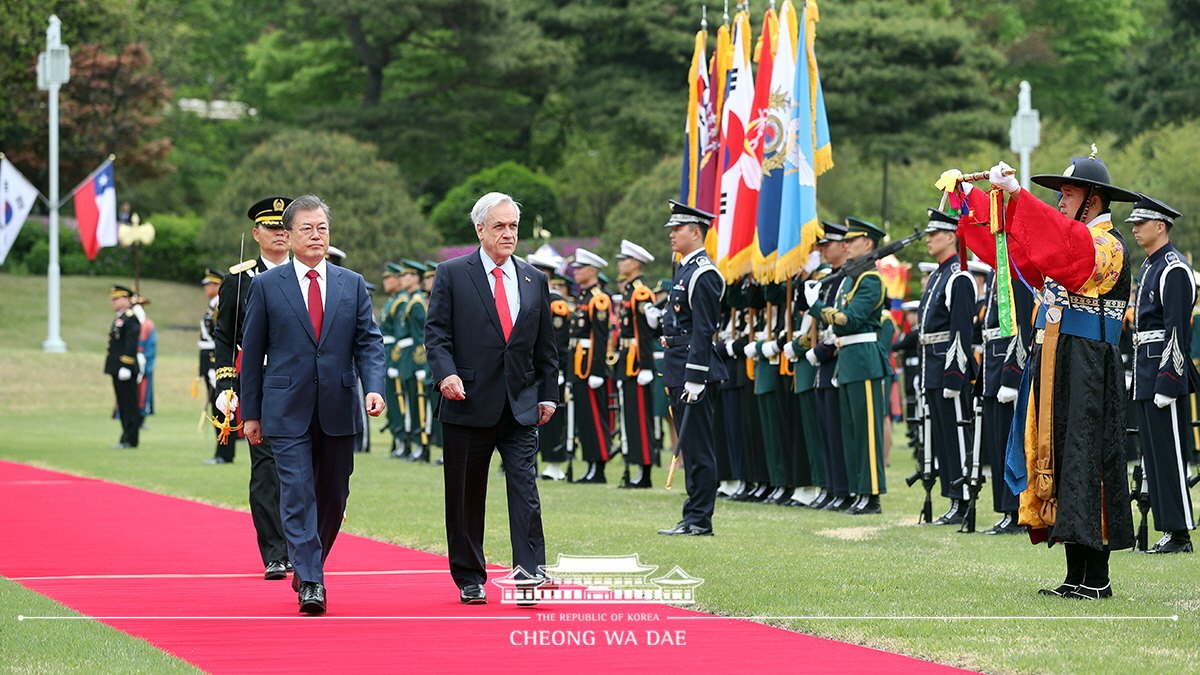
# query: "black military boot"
{"type": "Point", "coordinates": [1178, 541]}
{"type": "Point", "coordinates": [1076, 568]}
{"type": "Point", "coordinates": [1096, 585]}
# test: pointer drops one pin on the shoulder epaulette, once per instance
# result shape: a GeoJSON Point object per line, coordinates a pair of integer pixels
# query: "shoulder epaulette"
{"type": "Point", "coordinates": [560, 308]}
{"type": "Point", "coordinates": [703, 260]}
{"type": "Point", "coordinates": [1172, 257]}
{"type": "Point", "coordinates": [243, 266]}
{"type": "Point", "coordinates": [128, 312]}
{"type": "Point", "coordinates": [414, 300]}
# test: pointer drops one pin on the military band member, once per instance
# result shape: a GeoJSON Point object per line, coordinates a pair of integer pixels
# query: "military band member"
{"type": "Point", "coordinates": [691, 365]}
{"type": "Point", "coordinates": [854, 319]}
{"type": "Point", "coordinates": [122, 364]}
{"type": "Point", "coordinates": [410, 365]}
{"type": "Point", "coordinates": [591, 377]}
{"type": "Point", "coordinates": [1162, 375]}
{"type": "Point", "coordinates": [391, 318]}
{"type": "Point", "coordinates": [273, 245]}
{"type": "Point", "coordinates": [553, 438]}
{"type": "Point", "coordinates": [638, 319]}
{"type": "Point", "coordinates": [208, 369]}
{"type": "Point", "coordinates": [1076, 488]}
{"type": "Point", "coordinates": [947, 360]}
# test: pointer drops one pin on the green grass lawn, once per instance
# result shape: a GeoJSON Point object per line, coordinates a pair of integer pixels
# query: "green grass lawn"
{"type": "Point", "coordinates": [765, 561]}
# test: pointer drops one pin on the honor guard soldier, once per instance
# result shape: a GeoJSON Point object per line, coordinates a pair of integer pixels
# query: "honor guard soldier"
{"type": "Point", "coordinates": [691, 364]}
{"type": "Point", "coordinates": [121, 362]}
{"type": "Point", "coordinates": [1004, 361]}
{"type": "Point", "coordinates": [390, 319]}
{"type": "Point", "coordinates": [590, 381]}
{"type": "Point", "coordinates": [823, 356]}
{"type": "Point", "coordinates": [273, 245]}
{"type": "Point", "coordinates": [947, 360]}
{"type": "Point", "coordinates": [411, 366]}
{"type": "Point", "coordinates": [638, 319]}
{"type": "Point", "coordinates": [553, 437]}
{"type": "Point", "coordinates": [432, 394]}
{"type": "Point", "coordinates": [854, 318]}
{"type": "Point", "coordinates": [1163, 372]}
{"type": "Point", "coordinates": [1075, 473]}
{"type": "Point", "coordinates": [208, 369]}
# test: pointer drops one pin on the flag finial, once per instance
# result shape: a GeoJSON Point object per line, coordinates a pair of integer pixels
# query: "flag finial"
{"type": "Point", "coordinates": [726, 16]}
{"type": "Point", "coordinates": [704, 17]}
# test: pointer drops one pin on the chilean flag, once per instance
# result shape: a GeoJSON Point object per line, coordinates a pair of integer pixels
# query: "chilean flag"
{"type": "Point", "coordinates": [96, 211]}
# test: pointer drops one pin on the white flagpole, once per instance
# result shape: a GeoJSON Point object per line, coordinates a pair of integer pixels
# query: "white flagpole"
{"type": "Point", "coordinates": [54, 70]}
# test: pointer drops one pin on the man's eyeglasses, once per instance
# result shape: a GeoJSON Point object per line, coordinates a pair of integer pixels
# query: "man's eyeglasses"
{"type": "Point", "coordinates": [307, 231]}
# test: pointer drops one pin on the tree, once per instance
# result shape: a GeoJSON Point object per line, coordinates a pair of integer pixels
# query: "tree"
{"type": "Point", "coordinates": [641, 214]}
{"type": "Point", "coordinates": [1161, 82]}
{"type": "Point", "coordinates": [535, 193]}
{"type": "Point", "coordinates": [374, 219]}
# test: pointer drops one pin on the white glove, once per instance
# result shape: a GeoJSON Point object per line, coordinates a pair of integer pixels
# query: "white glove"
{"type": "Point", "coordinates": [595, 382]}
{"type": "Point", "coordinates": [1163, 401]}
{"type": "Point", "coordinates": [789, 351]}
{"type": "Point", "coordinates": [392, 373]}
{"type": "Point", "coordinates": [420, 375]}
{"type": "Point", "coordinates": [812, 292]}
{"type": "Point", "coordinates": [966, 188]}
{"type": "Point", "coordinates": [233, 402]}
{"type": "Point", "coordinates": [729, 348]}
{"type": "Point", "coordinates": [124, 374]}
{"type": "Point", "coordinates": [814, 261]}
{"type": "Point", "coordinates": [950, 393]}
{"type": "Point", "coordinates": [141, 359]}
{"type": "Point", "coordinates": [692, 391]}
{"type": "Point", "coordinates": [1006, 395]}
{"type": "Point", "coordinates": [811, 355]}
{"type": "Point", "coordinates": [561, 379]}
{"type": "Point", "coordinates": [212, 378]}
{"type": "Point", "coordinates": [916, 382]}
{"type": "Point", "coordinates": [653, 315]}
{"type": "Point", "coordinates": [645, 377]}
{"type": "Point", "coordinates": [751, 350]}
{"type": "Point", "coordinates": [997, 176]}
{"type": "Point", "coordinates": [770, 349]}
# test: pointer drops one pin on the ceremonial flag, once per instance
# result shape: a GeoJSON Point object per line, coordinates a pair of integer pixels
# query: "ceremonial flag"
{"type": "Point", "coordinates": [775, 140]}
{"type": "Point", "coordinates": [16, 198]}
{"type": "Point", "coordinates": [741, 173]}
{"type": "Point", "coordinates": [722, 62]}
{"type": "Point", "coordinates": [695, 128]}
{"type": "Point", "coordinates": [895, 279]}
{"type": "Point", "coordinates": [798, 226]}
{"type": "Point", "coordinates": [96, 210]}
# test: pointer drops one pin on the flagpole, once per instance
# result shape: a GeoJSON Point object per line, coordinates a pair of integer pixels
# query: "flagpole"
{"type": "Point", "coordinates": [90, 176]}
{"type": "Point", "coordinates": [54, 70]}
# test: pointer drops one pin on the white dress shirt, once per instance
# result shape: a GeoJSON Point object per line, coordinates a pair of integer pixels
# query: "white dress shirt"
{"type": "Point", "coordinates": [301, 275]}
{"type": "Point", "coordinates": [511, 290]}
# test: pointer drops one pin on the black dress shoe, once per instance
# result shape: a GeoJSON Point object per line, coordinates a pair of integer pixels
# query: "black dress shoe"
{"type": "Point", "coordinates": [121, 446]}
{"type": "Point", "coordinates": [838, 504]}
{"type": "Point", "coordinates": [1087, 593]}
{"type": "Point", "coordinates": [217, 460]}
{"type": "Point", "coordinates": [1007, 525]}
{"type": "Point", "coordinates": [296, 582]}
{"type": "Point", "coordinates": [472, 594]}
{"type": "Point", "coordinates": [287, 565]}
{"type": "Point", "coordinates": [868, 505]}
{"type": "Point", "coordinates": [1173, 542]}
{"type": "Point", "coordinates": [1062, 591]}
{"type": "Point", "coordinates": [821, 500]}
{"type": "Point", "coordinates": [687, 530]}
{"type": "Point", "coordinates": [276, 570]}
{"type": "Point", "coordinates": [953, 515]}
{"type": "Point", "coordinates": [312, 598]}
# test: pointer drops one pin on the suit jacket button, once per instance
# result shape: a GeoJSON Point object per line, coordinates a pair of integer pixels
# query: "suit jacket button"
{"type": "Point", "coordinates": [314, 380]}
{"type": "Point", "coordinates": [318, 355]}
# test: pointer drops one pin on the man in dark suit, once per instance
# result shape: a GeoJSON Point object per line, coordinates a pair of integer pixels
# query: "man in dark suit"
{"type": "Point", "coordinates": [312, 325]}
{"type": "Point", "coordinates": [499, 380]}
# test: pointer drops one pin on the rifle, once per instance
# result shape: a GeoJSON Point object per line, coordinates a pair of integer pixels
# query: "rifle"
{"type": "Point", "coordinates": [926, 473]}
{"type": "Point", "coordinates": [973, 476]}
{"type": "Point", "coordinates": [1139, 493]}
{"type": "Point", "coordinates": [856, 266]}
{"type": "Point", "coordinates": [624, 433]}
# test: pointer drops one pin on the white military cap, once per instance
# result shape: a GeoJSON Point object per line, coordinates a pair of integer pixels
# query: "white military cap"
{"type": "Point", "coordinates": [632, 250]}
{"type": "Point", "coordinates": [927, 267]}
{"type": "Point", "coordinates": [584, 257]}
{"type": "Point", "coordinates": [979, 267]}
{"type": "Point", "coordinates": [541, 262]}
{"type": "Point", "coordinates": [911, 306]}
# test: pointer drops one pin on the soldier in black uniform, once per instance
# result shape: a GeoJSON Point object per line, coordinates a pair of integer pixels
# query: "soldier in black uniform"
{"type": "Point", "coordinates": [121, 362]}
{"type": "Point", "coordinates": [553, 436]}
{"type": "Point", "coordinates": [691, 362]}
{"type": "Point", "coordinates": [638, 318]}
{"type": "Point", "coordinates": [591, 377]}
{"type": "Point", "coordinates": [1163, 372]}
{"type": "Point", "coordinates": [948, 364]}
{"type": "Point", "coordinates": [208, 369]}
{"type": "Point", "coordinates": [273, 244]}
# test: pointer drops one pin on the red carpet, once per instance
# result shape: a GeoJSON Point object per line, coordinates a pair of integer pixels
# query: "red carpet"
{"type": "Point", "coordinates": [185, 577]}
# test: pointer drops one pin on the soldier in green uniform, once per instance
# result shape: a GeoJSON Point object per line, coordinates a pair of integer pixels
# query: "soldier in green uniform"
{"type": "Point", "coordinates": [389, 326]}
{"type": "Point", "coordinates": [121, 362]}
{"type": "Point", "coordinates": [433, 424]}
{"type": "Point", "coordinates": [411, 363]}
{"type": "Point", "coordinates": [861, 367]}
{"type": "Point", "coordinates": [763, 352]}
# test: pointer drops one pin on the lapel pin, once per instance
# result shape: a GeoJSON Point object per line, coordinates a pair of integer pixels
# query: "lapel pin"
{"type": "Point", "coordinates": [526, 278]}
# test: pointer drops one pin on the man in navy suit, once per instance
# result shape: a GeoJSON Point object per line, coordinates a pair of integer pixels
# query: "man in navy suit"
{"type": "Point", "coordinates": [312, 323]}
{"type": "Point", "coordinates": [489, 336]}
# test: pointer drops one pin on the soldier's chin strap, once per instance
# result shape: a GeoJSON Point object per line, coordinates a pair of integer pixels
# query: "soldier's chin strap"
{"type": "Point", "coordinates": [1087, 197]}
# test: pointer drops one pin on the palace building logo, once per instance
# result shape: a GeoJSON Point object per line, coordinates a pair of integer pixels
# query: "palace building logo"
{"type": "Point", "coordinates": [599, 579]}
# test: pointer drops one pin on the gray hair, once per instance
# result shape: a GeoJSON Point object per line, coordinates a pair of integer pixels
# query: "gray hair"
{"type": "Point", "coordinates": [488, 202]}
{"type": "Point", "coordinates": [305, 203]}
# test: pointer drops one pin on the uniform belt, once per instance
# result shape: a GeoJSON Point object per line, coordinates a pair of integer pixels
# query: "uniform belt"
{"type": "Point", "coordinates": [389, 339]}
{"type": "Point", "coordinates": [990, 334]}
{"type": "Point", "coordinates": [912, 361]}
{"type": "Point", "coordinates": [1148, 336]}
{"type": "Point", "coordinates": [209, 344]}
{"type": "Point", "coordinates": [857, 338]}
{"type": "Point", "coordinates": [676, 340]}
{"type": "Point", "coordinates": [935, 338]}
{"type": "Point", "coordinates": [586, 343]}
{"type": "Point", "coordinates": [405, 343]}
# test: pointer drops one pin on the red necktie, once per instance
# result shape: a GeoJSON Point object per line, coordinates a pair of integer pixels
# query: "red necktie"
{"type": "Point", "coordinates": [316, 312]}
{"type": "Point", "coordinates": [502, 303]}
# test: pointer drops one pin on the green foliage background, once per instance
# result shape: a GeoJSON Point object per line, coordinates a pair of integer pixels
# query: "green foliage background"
{"type": "Point", "coordinates": [535, 194]}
